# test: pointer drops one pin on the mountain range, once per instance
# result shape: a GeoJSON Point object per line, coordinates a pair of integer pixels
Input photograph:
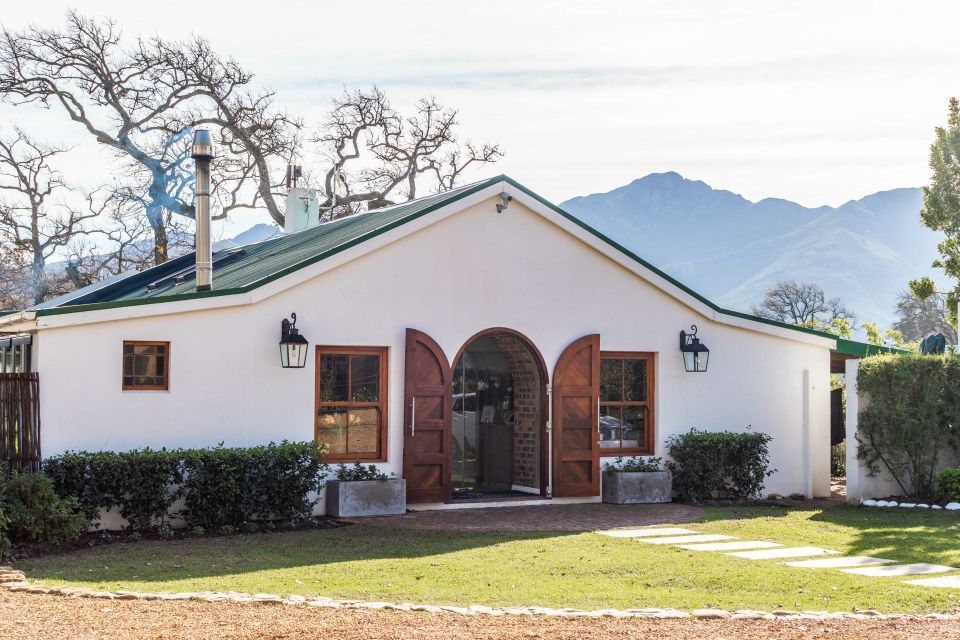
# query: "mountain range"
{"type": "Point", "coordinates": [731, 249]}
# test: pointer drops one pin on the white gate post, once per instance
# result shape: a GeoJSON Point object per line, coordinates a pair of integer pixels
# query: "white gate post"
{"type": "Point", "coordinates": [852, 415]}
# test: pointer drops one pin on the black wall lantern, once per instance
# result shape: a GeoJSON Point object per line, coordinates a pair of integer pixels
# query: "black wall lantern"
{"type": "Point", "coordinates": [695, 354]}
{"type": "Point", "coordinates": [293, 346]}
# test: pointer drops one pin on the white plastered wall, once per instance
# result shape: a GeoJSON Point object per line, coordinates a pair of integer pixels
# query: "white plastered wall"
{"type": "Point", "coordinates": [472, 270]}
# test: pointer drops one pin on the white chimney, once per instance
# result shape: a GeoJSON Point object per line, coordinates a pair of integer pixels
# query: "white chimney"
{"type": "Point", "coordinates": [302, 210]}
{"type": "Point", "coordinates": [202, 154]}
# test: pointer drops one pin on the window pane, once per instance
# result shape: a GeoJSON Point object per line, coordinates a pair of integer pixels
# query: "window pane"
{"type": "Point", "coordinates": [365, 378]}
{"type": "Point", "coordinates": [333, 378]}
{"type": "Point", "coordinates": [128, 348]}
{"type": "Point", "coordinates": [332, 429]}
{"type": "Point", "coordinates": [611, 380]}
{"type": "Point", "coordinates": [364, 430]}
{"type": "Point", "coordinates": [633, 426]}
{"type": "Point", "coordinates": [142, 366]}
{"type": "Point", "coordinates": [635, 380]}
{"type": "Point", "coordinates": [610, 427]}
{"type": "Point", "coordinates": [160, 365]}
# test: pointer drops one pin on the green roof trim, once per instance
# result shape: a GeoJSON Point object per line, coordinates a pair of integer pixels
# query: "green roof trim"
{"type": "Point", "coordinates": [275, 258]}
{"type": "Point", "coordinates": [863, 349]}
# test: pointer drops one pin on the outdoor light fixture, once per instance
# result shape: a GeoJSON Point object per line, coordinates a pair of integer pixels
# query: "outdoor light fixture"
{"type": "Point", "coordinates": [695, 355]}
{"type": "Point", "coordinates": [293, 346]}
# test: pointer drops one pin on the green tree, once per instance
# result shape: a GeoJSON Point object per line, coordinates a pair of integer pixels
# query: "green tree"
{"type": "Point", "coordinates": [941, 208]}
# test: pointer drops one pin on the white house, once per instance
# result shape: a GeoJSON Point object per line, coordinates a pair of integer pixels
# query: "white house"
{"type": "Point", "coordinates": [479, 342]}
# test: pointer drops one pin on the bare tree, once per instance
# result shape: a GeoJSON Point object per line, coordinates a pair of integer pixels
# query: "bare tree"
{"type": "Point", "coordinates": [802, 304]}
{"type": "Point", "coordinates": [14, 279]}
{"type": "Point", "coordinates": [917, 319]}
{"type": "Point", "coordinates": [377, 156]}
{"type": "Point", "coordinates": [141, 102]}
{"type": "Point", "coordinates": [29, 221]}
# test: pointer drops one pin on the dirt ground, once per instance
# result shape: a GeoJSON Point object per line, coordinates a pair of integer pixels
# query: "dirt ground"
{"type": "Point", "coordinates": [46, 616]}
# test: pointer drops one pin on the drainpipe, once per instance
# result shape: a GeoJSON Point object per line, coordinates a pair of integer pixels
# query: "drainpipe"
{"type": "Point", "coordinates": [202, 154]}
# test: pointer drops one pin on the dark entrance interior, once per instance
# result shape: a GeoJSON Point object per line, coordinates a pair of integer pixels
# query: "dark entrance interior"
{"type": "Point", "coordinates": [497, 416]}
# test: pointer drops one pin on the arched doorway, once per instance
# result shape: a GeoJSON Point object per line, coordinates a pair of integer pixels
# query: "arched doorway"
{"type": "Point", "coordinates": [498, 434]}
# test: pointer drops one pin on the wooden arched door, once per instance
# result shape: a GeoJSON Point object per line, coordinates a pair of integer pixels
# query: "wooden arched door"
{"type": "Point", "coordinates": [576, 437]}
{"type": "Point", "coordinates": [427, 419]}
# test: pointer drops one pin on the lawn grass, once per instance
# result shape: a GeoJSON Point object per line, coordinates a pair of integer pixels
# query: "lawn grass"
{"type": "Point", "coordinates": [584, 570]}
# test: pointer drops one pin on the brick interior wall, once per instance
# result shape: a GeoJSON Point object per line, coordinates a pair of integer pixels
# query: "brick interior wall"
{"type": "Point", "coordinates": [527, 388]}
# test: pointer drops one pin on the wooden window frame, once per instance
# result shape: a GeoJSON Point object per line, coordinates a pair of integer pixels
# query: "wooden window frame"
{"type": "Point", "coordinates": [146, 387]}
{"type": "Point", "coordinates": [649, 447]}
{"type": "Point", "coordinates": [384, 354]}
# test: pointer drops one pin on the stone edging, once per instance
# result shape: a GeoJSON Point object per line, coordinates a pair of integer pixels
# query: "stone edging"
{"type": "Point", "coordinates": [950, 506]}
{"type": "Point", "coordinates": [15, 581]}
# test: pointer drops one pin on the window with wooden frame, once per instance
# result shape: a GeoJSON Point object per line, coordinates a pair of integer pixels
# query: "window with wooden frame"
{"type": "Point", "coordinates": [146, 365]}
{"type": "Point", "coordinates": [351, 400]}
{"type": "Point", "coordinates": [626, 403]}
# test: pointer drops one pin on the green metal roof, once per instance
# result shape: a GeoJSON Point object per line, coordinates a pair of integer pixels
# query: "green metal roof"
{"type": "Point", "coordinates": [238, 270]}
{"type": "Point", "coordinates": [242, 270]}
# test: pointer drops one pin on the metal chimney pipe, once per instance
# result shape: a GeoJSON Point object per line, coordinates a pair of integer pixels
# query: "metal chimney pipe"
{"type": "Point", "coordinates": [202, 154]}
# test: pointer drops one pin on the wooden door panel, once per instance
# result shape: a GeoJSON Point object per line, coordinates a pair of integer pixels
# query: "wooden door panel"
{"type": "Point", "coordinates": [427, 419]}
{"type": "Point", "coordinates": [576, 391]}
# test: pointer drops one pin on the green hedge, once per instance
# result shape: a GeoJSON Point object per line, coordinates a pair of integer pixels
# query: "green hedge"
{"type": "Point", "coordinates": [910, 417]}
{"type": "Point", "coordinates": [718, 464]}
{"type": "Point", "coordinates": [230, 487]}
{"type": "Point", "coordinates": [221, 486]}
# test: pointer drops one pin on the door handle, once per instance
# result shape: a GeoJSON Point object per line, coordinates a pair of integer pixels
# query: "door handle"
{"type": "Point", "coordinates": [598, 421]}
{"type": "Point", "coordinates": [413, 416]}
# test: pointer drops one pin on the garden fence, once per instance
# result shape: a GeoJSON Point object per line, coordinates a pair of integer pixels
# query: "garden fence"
{"type": "Point", "coordinates": [20, 420]}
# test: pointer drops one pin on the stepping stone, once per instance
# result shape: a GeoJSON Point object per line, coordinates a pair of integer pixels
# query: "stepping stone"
{"type": "Point", "coordinates": [900, 570]}
{"type": "Point", "coordinates": [789, 552]}
{"type": "Point", "coordinates": [706, 537]}
{"type": "Point", "coordinates": [945, 582]}
{"type": "Point", "coordinates": [739, 545]}
{"type": "Point", "coordinates": [837, 563]}
{"type": "Point", "coordinates": [643, 533]}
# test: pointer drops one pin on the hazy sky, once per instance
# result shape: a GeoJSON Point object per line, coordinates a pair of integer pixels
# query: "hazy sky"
{"type": "Point", "coordinates": [818, 102]}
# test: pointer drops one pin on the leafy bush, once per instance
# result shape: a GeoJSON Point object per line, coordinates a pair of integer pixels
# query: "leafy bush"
{"type": "Point", "coordinates": [35, 513]}
{"type": "Point", "coordinates": [221, 486]}
{"type": "Point", "coordinates": [719, 464]}
{"type": "Point", "coordinates": [4, 540]}
{"type": "Point", "coordinates": [635, 465]}
{"type": "Point", "coordinates": [948, 485]}
{"type": "Point", "coordinates": [358, 472]}
{"type": "Point", "coordinates": [838, 460]}
{"type": "Point", "coordinates": [143, 483]}
{"type": "Point", "coordinates": [909, 416]}
{"type": "Point", "coordinates": [229, 486]}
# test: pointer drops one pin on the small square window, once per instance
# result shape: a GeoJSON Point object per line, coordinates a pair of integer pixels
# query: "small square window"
{"type": "Point", "coordinates": [146, 365]}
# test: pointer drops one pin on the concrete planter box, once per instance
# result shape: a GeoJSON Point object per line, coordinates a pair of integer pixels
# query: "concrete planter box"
{"type": "Point", "coordinates": [359, 498]}
{"type": "Point", "coordinates": [637, 487]}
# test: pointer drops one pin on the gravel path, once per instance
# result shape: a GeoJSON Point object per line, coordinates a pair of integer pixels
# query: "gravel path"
{"type": "Point", "coordinates": [45, 616]}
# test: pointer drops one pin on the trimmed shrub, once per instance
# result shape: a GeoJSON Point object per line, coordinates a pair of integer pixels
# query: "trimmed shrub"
{"type": "Point", "coordinates": [719, 464]}
{"type": "Point", "coordinates": [35, 513]}
{"type": "Point", "coordinates": [230, 486]}
{"type": "Point", "coordinates": [358, 472]}
{"type": "Point", "coordinates": [143, 483]}
{"type": "Point", "coordinates": [948, 485]}
{"type": "Point", "coordinates": [221, 486]}
{"type": "Point", "coordinates": [635, 465]}
{"type": "Point", "coordinates": [910, 416]}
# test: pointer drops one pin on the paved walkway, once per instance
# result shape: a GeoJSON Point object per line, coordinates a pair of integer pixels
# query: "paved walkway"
{"type": "Point", "coordinates": [554, 517]}
{"type": "Point", "coordinates": [766, 550]}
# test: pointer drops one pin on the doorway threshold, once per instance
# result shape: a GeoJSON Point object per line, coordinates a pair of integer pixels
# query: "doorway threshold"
{"type": "Point", "coordinates": [532, 501]}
